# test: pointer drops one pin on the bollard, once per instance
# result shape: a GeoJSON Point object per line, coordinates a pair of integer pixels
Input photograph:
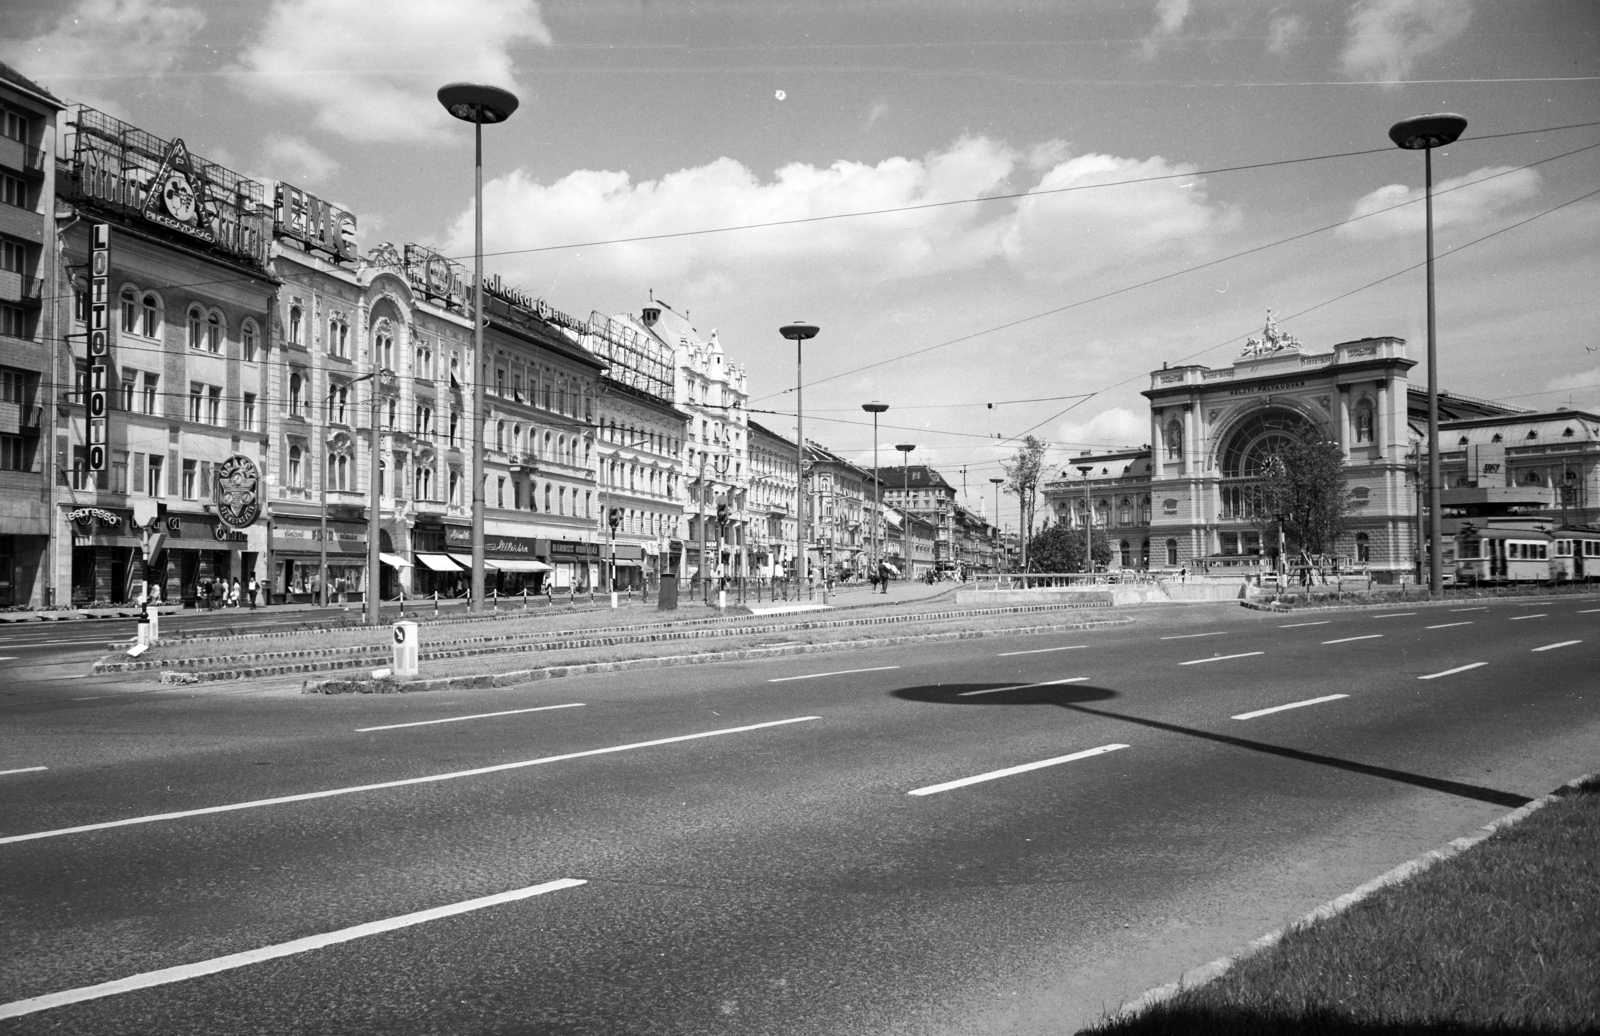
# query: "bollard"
{"type": "Point", "coordinates": [494, 601]}
{"type": "Point", "coordinates": [524, 598]}
{"type": "Point", "coordinates": [405, 649]}
{"type": "Point", "coordinates": [436, 604]}
{"type": "Point", "coordinates": [613, 598]}
{"type": "Point", "coordinates": [722, 600]}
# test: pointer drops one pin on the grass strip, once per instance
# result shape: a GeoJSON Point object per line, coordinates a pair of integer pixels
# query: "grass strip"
{"type": "Point", "coordinates": [1502, 938]}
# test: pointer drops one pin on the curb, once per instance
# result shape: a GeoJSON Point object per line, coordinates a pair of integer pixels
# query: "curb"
{"type": "Point", "coordinates": [1205, 973]}
{"type": "Point", "coordinates": [1278, 609]}
{"type": "Point", "coordinates": [389, 685]}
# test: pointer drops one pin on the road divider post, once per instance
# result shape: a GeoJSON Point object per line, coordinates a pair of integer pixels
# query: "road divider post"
{"type": "Point", "coordinates": [405, 649]}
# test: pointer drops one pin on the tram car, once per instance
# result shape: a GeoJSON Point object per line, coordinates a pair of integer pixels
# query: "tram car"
{"type": "Point", "coordinates": [1574, 555]}
{"type": "Point", "coordinates": [1526, 553]}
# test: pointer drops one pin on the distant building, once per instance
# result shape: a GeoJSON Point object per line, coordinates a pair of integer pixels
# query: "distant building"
{"type": "Point", "coordinates": [771, 503]}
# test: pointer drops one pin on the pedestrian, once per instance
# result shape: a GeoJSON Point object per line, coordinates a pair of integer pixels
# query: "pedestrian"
{"type": "Point", "coordinates": [233, 593]}
{"type": "Point", "coordinates": [254, 588]}
{"type": "Point", "coordinates": [883, 577]}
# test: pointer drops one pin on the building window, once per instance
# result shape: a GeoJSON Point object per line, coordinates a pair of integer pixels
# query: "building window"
{"type": "Point", "coordinates": [153, 486]}
{"type": "Point", "coordinates": [339, 338]}
{"type": "Point", "coordinates": [500, 436]}
{"type": "Point", "coordinates": [14, 191]}
{"type": "Point", "coordinates": [130, 311]}
{"type": "Point", "coordinates": [13, 322]}
{"type": "Point", "coordinates": [214, 405]}
{"type": "Point", "coordinates": [196, 395]}
{"type": "Point", "coordinates": [130, 381]}
{"type": "Point", "coordinates": [385, 350]}
{"type": "Point", "coordinates": [189, 480]}
{"type": "Point", "coordinates": [1363, 548]}
{"type": "Point", "coordinates": [1172, 552]}
{"type": "Point", "coordinates": [150, 316]}
{"type": "Point", "coordinates": [247, 341]}
{"type": "Point", "coordinates": [296, 476]}
{"type": "Point", "coordinates": [248, 418]}
{"type": "Point", "coordinates": [151, 381]}
{"type": "Point", "coordinates": [197, 325]}
{"type": "Point", "coordinates": [14, 125]}
{"type": "Point", "coordinates": [12, 455]}
{"type": "Point", "coordinates": [455, 487]}
{"type": "Point", "coordinates": [297, 401]}
{"type": "Point", "coordinates": [455, 427]}
{"type": "Point", "coordinates": [296, 330]}
{"type": "Point", "coordinates": [214, 333]}
{"type": "Point", "coordinates": [338, 403]}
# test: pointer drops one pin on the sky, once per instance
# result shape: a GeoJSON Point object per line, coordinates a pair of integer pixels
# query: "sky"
{"type": "Point", "coordinates": [1002, 216]}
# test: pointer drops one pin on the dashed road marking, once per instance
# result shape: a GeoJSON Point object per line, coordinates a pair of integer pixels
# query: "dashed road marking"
{"type": "Point", "coordinates": [1452, 672]}
{"type": "Point", "coordinates": [23, 769]}
{"type": "Point", "coordinates": [1447, 625]}
{"type": "Point", "coordinates": [429, 779]}
{"type": "Point", "coordinates": [1393, 615]}
{"type": "Point", "coordinates": [1484, 609]}
{"type": "Point", "coordinates": [1221, 658]}
{"type": "Point", "coordinates": [184, 972]}
{"type": "Point", "coordinates": [1021, 686]}
{"type": "Point", "coordinates": [1346, 640]}
{"type": "Point", "coordinates": [933, 789]}
{"type": "Point", "coordinates": [1558, 644]}
{"type": "Point", "coordinates": [1191, 636]}
{"type": "Point", "coordinates": [463, 719]}
{"type": "Point", "coordinates": [1589, 611]}
{"type": "Point", "coordinates": [1293, 625]}
{"type": "Point", "coordinates": [1291, 705]}
{"type": "Point", "coordinates": [839, 672]}
{"type": "Point", "coordinates": [1040, 651]}
{"type": "Point", "coordinates": [1535, 615]}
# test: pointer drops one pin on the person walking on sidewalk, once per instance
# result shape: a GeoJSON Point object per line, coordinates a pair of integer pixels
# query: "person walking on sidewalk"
{"type": "Point", "coordinates": [883, 577]}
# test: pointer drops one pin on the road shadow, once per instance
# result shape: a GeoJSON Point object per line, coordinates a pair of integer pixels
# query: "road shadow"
{"type": "Point", "coordinates": [1078, 696]}
{"type": "Point", "coordinates": [1187, 1019]}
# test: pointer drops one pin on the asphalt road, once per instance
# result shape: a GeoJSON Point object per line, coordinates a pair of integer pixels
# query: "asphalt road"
{"type": "Point", "coordinates": [1002, 835]}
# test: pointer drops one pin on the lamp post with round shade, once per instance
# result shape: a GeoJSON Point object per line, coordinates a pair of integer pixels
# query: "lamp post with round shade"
{"type": "Point", "coordinates": [1088, 520]}
{"type": "Point", "coordinates": [477, 104]}
{"type": "Point", "coordinates": [875, 408]}
{"type": "Point", "coordinates": [1424, 133]}
{"type": "Point", "coordinates": [800, 331]}
{"type": "Point", "coordinates": [905, 449]}
{"type": "Point", "coordinates": [1000, 558]}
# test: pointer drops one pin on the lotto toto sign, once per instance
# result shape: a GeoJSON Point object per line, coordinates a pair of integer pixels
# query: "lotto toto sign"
{"type": "Point", "coordinates": [97, 401]}
{"type": "Point", "coordinates": [238, 492]}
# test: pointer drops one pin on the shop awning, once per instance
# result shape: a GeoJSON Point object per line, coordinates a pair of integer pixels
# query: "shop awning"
{"type": "Point", "coordinates": [628, 563]}
{"type": "Point", "coordinates": [394, 561]}
{"type": "Point", "coordinates": [518, 565]}
{"type": "Point", "coordinates": [438, 562]}
{"type": "Point", "coordinates": [489, 564]}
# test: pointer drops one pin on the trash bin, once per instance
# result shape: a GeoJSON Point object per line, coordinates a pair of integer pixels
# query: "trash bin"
{"type": "Point", "coordinates": [667, 596]}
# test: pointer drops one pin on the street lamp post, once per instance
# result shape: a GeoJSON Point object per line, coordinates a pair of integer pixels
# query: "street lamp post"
{"type": "Point", "coordinates": [875, 408]}
{"type": "Point", "coordinates": [1088, 520]}
{"type": "Point", "coordinates": [1424, 133]}
{"type": "Point", "coordinates": [799, 331]}
{"type": "Point", "coordinates": [999, 560]}
{"type": "Point", "coordinates": [905, 449]}
{"type": "Point", "coordinates": [477, 104]}
{"type": "Point", "coordinates": [380, 379]}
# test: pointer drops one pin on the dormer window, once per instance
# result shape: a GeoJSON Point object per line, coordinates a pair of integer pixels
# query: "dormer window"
{"type": "Point", "coordinates": [1567, 433]}
{"type": "Point", "coordinates": [1463, 441]}
{"type": "Point", "coordinates": [1497, 437]}
{"type": "Point", "coordinates": [1533, 434]}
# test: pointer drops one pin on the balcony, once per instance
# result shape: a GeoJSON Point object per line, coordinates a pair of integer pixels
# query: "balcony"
{"type": "Point", "coordinates": [20, 417]}
{"type": "Point", "coordinates": [14, 287]}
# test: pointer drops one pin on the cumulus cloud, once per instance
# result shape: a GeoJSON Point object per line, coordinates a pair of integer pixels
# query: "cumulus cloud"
{"type": "Point", "coordinates": [98, 45]}
{"type": "Point", "coordinates": [1170, 16]}
{"type": "Point", "coordinates": [371, 73]}
{"type": "Point", "coordinates": [1387, 36]}
{"type": "Point", "coordinates": [1283, 30]}
{"type": "Point", "coordinates": [1116, 426]}
{"type": "Point", "coordinates": [1057, 237]}
{"type": "Point", "coordinates": [296, 160]}
{"type": "Point", "coordinates": [1460, 200]}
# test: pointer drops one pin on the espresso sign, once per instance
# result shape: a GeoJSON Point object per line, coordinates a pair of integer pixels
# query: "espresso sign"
{"type": "Point", "coordinates": [238, 493]}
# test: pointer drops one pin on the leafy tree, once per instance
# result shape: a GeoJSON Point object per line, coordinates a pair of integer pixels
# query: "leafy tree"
{"type": "Point", "coordinates": [1022, 480]}
{"type": "Point", "coordinates": [1303, 491]}
{"type": "Point", "coordinates": [1059, 549]}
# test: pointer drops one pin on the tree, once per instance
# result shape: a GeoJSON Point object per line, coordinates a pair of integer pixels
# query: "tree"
{"type": "Point", "coordinates": [1303, 492]}
{"type": "Point", "coordinates": [1059, 549]}
{"type": "Point", "coordinates": [1022, 480]}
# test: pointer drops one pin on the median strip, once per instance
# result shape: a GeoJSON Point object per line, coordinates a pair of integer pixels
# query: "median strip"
{"type": "Point", "coordinates": [1220, 658]}
{"type": "Point", "coordinates": [185, 972]}
{"type": "Point", "coordinates": [934, 789]}
{"type": "Point", "coordinates": [1291, 705]}
{"type": "Point", "coordinates": [1452, 672]}
{"type": "Point", "coordinates": [430, 779]}
{"type": "Point", "coordinates": [463, 719]}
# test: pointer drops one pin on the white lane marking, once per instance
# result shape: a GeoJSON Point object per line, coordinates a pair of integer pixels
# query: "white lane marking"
{"type": "Point", "coordinates": [1447, 625]}
{"type": "Point", "coordinates": [1291, 705]}
{"type": "Point", "coordinates": [1558, 644]}
{"type": "Point", "coordinates": [840, 672]}
{"type": "Point", "coordinates": [1296, 625]}
{"type": "Point", "coordinates": [1589, 611]}
{"type": "Point", "coordinates": [431, 778]}
{"type": "Point", "coordinates": [1022, 686]}
{"type": "Point", "coordinates": [1452, 672]}
{"type": "Point", "coordinates": [1040, 651]}
{"type": "Point", "coordinates": [1535, 615]}
{"type": "Point", "coordinates": [1393, 615]}
{"type": "Point", "coordinates": [184, 972]}
{"type": "Point", "coordinates": [8, 658]}
{"type": "Point", "coordinates": [463, 719]}
{"type": "Point", "coordinates": [1191, 636]}
{"type": "Point", "coordinates": [1346, 640]}
{"type": "Point", "coordinates": [1484, 609]}
{"type": "Point", "coordinates": [1220, 658]}
{"type": "Point", "coordinates": [934, 789]}
{"type": "Point", "coordinates": [23, 769]}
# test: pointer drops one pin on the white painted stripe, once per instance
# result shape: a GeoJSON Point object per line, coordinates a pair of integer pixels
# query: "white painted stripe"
{"type": "Point", "coordinates": [1535, 615]}
{"type": "Point", "coordinates": [1589, 611]}
{"type": "Point", "coordinates": [1291, 705]}
{"type": "Point", "coordinates": [1040, 651]}
{"type": "Point", "coordinates": [430, 779]}
{"type": "Point", "coordinates": [1191, 636]}
{"type": "Point", "coordinates": [1559, 644]}
{"type": "Point", "coordinates": [934, 789]}
{"type": "Point", "coordinates": [1447, 625]}
{"type": "Point", "coordinates": [8, 658]}
{"type": "Point", "coordinates": [184, 972]}
{"type": "Point", "coordinates": [1220, 658]}
{"type": "Point", "coordinates": [1297, 625]}
{"type": "Point", "coordinates": [1346, 640]}
{"type": "Point", "coordinates": [463, 719]}
{"type": "Point", "coordinates": [1484, 609]}
{"type": "Point", "coordinates": [23, 769]}
{"type": "Point", "coordinates": [1452, 672]}
{"type": "Point", "coordinates": [1022, 686]}
{"type": "Point", "coordinates": [1393, 615]}
{"type": "Point", "coordinates": [841, 672]}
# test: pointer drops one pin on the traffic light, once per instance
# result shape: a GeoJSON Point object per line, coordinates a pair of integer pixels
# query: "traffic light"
{"type": "Point", "coordinates": [614, 516]}
{"type": "Point", "coordinates": [722, 514]}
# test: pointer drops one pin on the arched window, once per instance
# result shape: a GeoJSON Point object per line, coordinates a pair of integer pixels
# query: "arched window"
{"type": "Point", "coordinates": [1258, 438]}
{"type": "Point", "coordinates": [197, 328]}
{"type": "Point", "coordinates": [130, 311]}
{"type": "Point", "coordinates": [214, 333]}
{"type": "Point", "coordinates": [1144, 553]}
{"type": "Point", "coordinates": [500, 436]}
{"type": "Point", "coordinates": [1125, 554]}
{"type": "Point", "coordinates": [247, 341]}
{"type": "Point", "coordinates": [547, 497]}
{"type": "Point", "coordinates": [296, 330]}
{"type": "Point", "coordinates": [296, 394]}
{"type": "Point", "coordinates": [1172, 552]}
{"type": "Point", "coordinates": [1364, 421]}
{"type": "Point", "coordinates": [533, 495]}
{"type": "Point", "coordinates": [1174, 439]}
{"type": "Point", "coordinates": [1363, 547]}
{"type": "Point", "coordinates": [150, 316]}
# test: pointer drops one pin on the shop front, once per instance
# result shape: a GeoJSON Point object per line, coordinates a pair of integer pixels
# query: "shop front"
{"type": "Point", "coordinates": [512, 565]}
{"type": "Point", "coordinates": [107, 556]}
{"type": "Point", "coordinates": [199, 559]}
{"type": "Point", "coordinates": [297, 554]}
{"type": "Point", "coordinates": [434, 570]}
{"type": "Point", "coordinates": [575, 566]}
{"type": "Point", "coordinates": [630, 566]}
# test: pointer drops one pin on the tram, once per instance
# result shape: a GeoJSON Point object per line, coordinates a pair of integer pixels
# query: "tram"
{"type": "Point", "coordinates": [1526, 552]}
